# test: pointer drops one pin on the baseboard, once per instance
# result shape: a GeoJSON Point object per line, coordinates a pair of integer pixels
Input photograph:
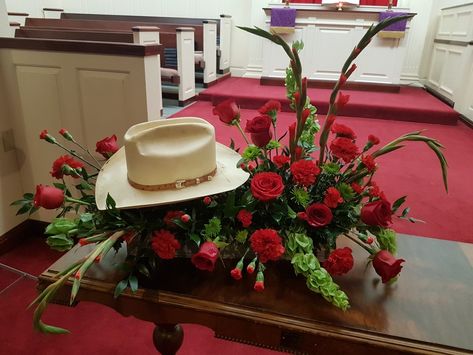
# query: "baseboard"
{"type": "Point", "coordinates": [466, 121]}
{"type": "Point", "coordinates": [183, 103]}
{"type": "Point", "coordinates": [18, 234]}
{"type": "Point", "coordinates": [439, 96]}
{"type": "Point", "coordinates": [329, 84]}
{"type": "Point", "coordinates": [219, 79]}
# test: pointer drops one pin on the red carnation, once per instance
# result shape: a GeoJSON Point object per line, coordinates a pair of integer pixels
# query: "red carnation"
{"type": "Point", "coordinates": [318, 215]}
{"type": "Point", "coordinates": [164, 244]}
{"type": "Point", "coordinates": [304, 172]}
{"type": "Point", "coordinates": [227, 111]}
{"type": "Point", "coordinates": [245, 218]}
{"type": "Point", "coordinates": [270, 108]}
{"type": "Point", "coordinates": [343, 131]}
{"type": "Point", "coordinates": [373, 139]}
{"type": "Point", "coordinates": [259, 286]}
{"type": "Point", "coordinates": [344, 148]}
{"type": "Point", "coordinates": [281, 160]}
{"type": "Point", "coordinates": [267, 244]}
{"type": "Point", "coordinates": [369, 163]}
{"type": "Point", "coordinates": [43, 134]}
{"type": "Point", "coordinates": [339, 262]}
{"type": "Point", "coordinates": [68, 161]}
{"type": "Point", "coordinates": [170, 216]}
{"type": "Point", "coordinates": [107, 146]}
{"type": "Point", "coordinates": [386, 265]}
{"type": "Point", "coordinates": [332, 197]}
{"type": "Point", "coordinates": [206, 257]}
{"type": "Point", "coordinates": [260, 130]}
{"type": "Point", "coordinates": [266, 186]}
{"type": "Point", "coordinates": [377, 213]}
{"type": "Point", "coordinates": [374, 190]}
{"type": "Point", "coordinates": [48, 197]}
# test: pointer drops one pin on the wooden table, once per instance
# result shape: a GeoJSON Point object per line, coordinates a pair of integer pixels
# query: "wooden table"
{"type": "Point", "coordinates": [428, 311]}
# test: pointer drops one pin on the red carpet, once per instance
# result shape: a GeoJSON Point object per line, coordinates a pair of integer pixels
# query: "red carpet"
{"type": "Point", "coordinates": [412, 171]}
{"type": "Point", "coordinates": [410, 104]}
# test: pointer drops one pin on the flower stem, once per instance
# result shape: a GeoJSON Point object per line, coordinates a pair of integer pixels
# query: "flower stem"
{"type": "Point", "coordinates": [357, 241]}
{"type": "Point", "coordinates": [73, 200]}
{"type": "Point", "coordinates": [242, 133]}
{"type": "Point", "coordinates": [87, 151]}
{"type": "Point", "coordinates": [76, 155]}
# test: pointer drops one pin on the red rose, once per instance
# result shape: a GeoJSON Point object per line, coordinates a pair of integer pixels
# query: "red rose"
{"type": "Point", "coordinates": [270, 108]}
{"type": "Point", "coordinates": [369, 163]}
{"type": "Point", "coordinates": [332, 197]}
{"type": "Point", "coordinates": [65, 160]}
{"type": "Point", "coordinates": [281, 160]}
{"type": "Point", "coordinates": [318, 215]}
{"type": "Point", "coordinates": [386, 265]}
{"type": "Point", "coordinates": [206, 257]}
{"type": "Point", "coordinates": [304, 172]}
{"type": "Point", "coordinates": [267, 244]}
{"type": "Point", "coordinates": [164, 244]}
{"type": "Point", "coordinates": [266, 186]}
{"type": "Point", "coordinates": [339, 262]}
{"type": "Point", "coordinates": [357, 188]}
{"type": "Point", "coordinates": [342, 100]}
{"type": "Point", "coordinates": [227, 111]}
{"type": "Point", "coordinates": [245, 218]}
{"type": "Point", "coordinates": [48, 197]}
{"type": "Point", "coordinates": [373, 139]}
{"type": "Point", "coordinates": [377, 213]}
{"type": "Point", "coordinates": [260, 129]}
{"type": "Point", "coordinates": [107, 146]}
{"type": "Point", "coordinates": [170, 216]}
{"type": "Point", "coordinates": [343, 131]}
{"type": "Point", "coordinates": [236, 274]}
{"type": "Point", "coordinates": [344, 148]}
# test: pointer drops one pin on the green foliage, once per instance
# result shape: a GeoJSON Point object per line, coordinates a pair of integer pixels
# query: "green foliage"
{"type": "Point", "coordinates": [300, 196]}
{"type": "Point", "coordinates": [346, 191]}
{"type": "Point", "coordinates": [60, 225]}
{"type": "Point", "coordinates": [60, 242]}
{"type": "Point", "coordinates": [241, 236]}
{"type": "Point", "coordinates": [273, 145]}
{"type": "Point", "coordinates": [387, 240]}
{"type": "Point", "coordinates": [251, 153]}
{"type": "Point", "coordinates": [212, 229]}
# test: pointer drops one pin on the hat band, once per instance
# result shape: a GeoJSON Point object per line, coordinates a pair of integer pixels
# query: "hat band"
{"type": "Point", "coordinates": [179, 184]}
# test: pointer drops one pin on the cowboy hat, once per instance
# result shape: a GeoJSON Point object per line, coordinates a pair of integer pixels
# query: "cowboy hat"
{"type": "Point", "coordinates": [167, 161]}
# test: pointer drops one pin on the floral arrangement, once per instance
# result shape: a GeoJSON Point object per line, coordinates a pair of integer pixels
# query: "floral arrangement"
{"type": "Point", "coordinates": [300, 198]}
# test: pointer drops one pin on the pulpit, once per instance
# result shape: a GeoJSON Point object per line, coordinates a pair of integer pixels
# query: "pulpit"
{"type": "Point", "coordinates": [329, 36]}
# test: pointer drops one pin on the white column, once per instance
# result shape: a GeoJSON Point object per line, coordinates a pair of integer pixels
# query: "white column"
{"type": "Point", "coordinates": [210, 51]}
{"type": "Point", "coordinates": [225, 42]}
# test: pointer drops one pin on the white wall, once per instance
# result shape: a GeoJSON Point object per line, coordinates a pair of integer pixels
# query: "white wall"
{"type": "Point", "coordinates": [4, 26]}
{"type": "Point", "coordinates": [10, 185]}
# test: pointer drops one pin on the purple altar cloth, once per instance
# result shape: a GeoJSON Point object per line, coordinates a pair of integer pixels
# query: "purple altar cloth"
{"type": "Point", "coordinates": [398, 26]}
{"type": "Point", "coordinates": [283, 17]}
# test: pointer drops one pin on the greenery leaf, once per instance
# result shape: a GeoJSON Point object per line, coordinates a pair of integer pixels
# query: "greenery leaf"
{"type": "Point", "coordinates": [121, 286]}
{"type": "Point", "coordinates": [398, 203]}
{"type": "Point", "coordinates": [133, 282]}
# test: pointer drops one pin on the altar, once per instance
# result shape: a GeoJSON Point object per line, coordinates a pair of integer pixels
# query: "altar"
{"type": "Point", "coordinates": [329, 35]}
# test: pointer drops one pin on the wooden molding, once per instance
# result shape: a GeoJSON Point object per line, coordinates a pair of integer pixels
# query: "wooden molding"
{"type": "Point", "coordinates": [452, 42]}
{"type": "Point", "coordinates": [53, 9]}
{"type": "Point", "coordinates": [22, 14]}
{"type": "Point", "coordinates": [123, 49]}
{"type": "Point", "coordinates": [145, 29]}
{"type": "Point", "coordinates": [329, 84]}
{"type": "Point", "coordinates": [18, 234]}
{"type": "Point", "coordinates": [14, 24]}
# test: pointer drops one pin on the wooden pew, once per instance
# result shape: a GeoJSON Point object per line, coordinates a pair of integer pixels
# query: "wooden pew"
{"type": "Point", "coordinates": [224, 28]}
{"type": "Point", "coordinates": [205, 36]}
{"type": "Point", "coordinates": [182, 75]}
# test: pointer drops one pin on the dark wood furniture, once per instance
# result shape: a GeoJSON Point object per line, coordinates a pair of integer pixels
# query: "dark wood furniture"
{"type": "Point", "coordinates": [428, 311]}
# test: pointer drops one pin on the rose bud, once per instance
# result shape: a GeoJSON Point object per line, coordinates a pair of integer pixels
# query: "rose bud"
{"type": "Point", "coordinates": [370, 240]}
{"type": "Point", "coordinates": [259, 284]}
{"type": "Point", "coordinates": [207, 256]}
{"type": "Point", "coordinates": [386, 265]}
{"type": "Point", "coordinates": [207, 200]}
{"type": "Point", "coordinates": [236, 274]}
{"type": "Point", "coordinates": [185, 218]}
{"type": "Point", "coordinates": [65, 133]}
{"type": "Point", "coordinates": [48, 197]}
{"type": "Point", "coordinates": [227, 112]}
{"type": "Point", "coordinates": [107, 146]}
{"type": "Point", "coordinates": [251, 267]}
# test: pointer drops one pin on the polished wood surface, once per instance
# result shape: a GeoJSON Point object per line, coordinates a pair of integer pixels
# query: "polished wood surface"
{"type": "Point", "coordinates": [125, 49]}
{"type": "Point", "coordinates": [429, 309]}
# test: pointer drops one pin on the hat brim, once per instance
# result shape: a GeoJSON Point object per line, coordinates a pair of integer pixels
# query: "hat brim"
{"type": "Point", "coordinates": [112, 180]}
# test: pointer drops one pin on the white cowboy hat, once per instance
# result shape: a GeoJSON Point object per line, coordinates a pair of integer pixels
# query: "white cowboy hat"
{"type": "Point", "coordinates": [168, 161]}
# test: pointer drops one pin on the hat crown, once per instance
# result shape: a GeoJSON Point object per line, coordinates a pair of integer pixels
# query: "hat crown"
{"type": "Point", "coordinates": [168, 151]}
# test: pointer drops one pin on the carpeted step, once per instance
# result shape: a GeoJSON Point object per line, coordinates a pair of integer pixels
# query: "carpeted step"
{"type": "Point", "coordinates": [410, 104]}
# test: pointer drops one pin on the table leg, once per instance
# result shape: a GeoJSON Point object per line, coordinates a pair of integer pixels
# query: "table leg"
{"type": "Point", "coordinates": [167, 338]}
